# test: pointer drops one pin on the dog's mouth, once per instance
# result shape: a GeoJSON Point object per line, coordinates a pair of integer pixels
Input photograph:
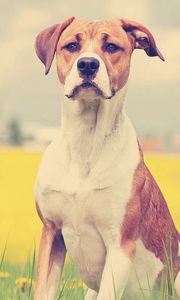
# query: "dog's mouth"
{"type": "Point", "coordinates": [86, 87]}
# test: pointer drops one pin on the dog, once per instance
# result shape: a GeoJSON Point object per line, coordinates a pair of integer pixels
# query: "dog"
{"type": "Point", "coordinates": [94, 194]}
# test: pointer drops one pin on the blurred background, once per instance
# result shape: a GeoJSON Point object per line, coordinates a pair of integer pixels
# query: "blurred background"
{"type": "Point", "coordinates": [30, 103]}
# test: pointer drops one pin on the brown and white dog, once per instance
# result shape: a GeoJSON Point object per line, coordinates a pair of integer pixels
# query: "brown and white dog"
{"type": "Point", "coordinates": [94, 194]}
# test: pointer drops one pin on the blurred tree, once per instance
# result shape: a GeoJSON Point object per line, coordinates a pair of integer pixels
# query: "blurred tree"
{"type": "Point", "coordinates": [15, 136]}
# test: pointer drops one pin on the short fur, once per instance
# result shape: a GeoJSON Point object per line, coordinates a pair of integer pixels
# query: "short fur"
{"type": "Point", "coordinates": [95, 196]}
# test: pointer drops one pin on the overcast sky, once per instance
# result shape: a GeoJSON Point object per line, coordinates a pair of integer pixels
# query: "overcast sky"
{"type": "Point", "coordinates": [153, 100]}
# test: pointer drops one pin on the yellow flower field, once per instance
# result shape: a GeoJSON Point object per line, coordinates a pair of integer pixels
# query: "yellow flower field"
{"type": "Point", "coordinates": [19, 223]}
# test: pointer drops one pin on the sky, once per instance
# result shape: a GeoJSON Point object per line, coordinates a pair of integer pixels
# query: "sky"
{"type": "Point", "coordinates": [153, 99]}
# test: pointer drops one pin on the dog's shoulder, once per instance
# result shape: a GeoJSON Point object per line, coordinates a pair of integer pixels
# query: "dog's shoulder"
{"type": "Point", "coordinates": [147, 216]}
{"type": "Point", "coordinates": [158, 231]}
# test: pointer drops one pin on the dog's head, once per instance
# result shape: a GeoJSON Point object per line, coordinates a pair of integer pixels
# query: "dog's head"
{"type": "Point", "coordinates": [93, 57]}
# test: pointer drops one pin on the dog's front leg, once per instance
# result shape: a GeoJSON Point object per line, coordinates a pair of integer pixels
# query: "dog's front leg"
{"type": "Point", "coordinates": [50, 263]}
{"type": "Point", "coordinates": [115, 273]}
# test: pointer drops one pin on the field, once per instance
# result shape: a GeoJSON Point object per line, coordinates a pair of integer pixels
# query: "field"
{"type": "Point", "coordinates": [20, 226]}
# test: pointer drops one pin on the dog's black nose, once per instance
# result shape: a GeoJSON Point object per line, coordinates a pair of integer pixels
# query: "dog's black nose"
{"type": "Point", "coordinates": [87, 67]}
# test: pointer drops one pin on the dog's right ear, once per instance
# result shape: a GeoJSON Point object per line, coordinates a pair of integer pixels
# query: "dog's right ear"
{"type": "Point", "coordinates": [47, 40]}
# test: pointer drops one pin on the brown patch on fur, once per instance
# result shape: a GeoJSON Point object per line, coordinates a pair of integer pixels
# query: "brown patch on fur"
{"type": "Point", "coordinates": [131, 225]}
{"type": "Point", "coordinates": [52, 253]}
{"type": "Point", "coordinates": [129, 248]}
{"type": "Point", "coordinates": [148, 218]}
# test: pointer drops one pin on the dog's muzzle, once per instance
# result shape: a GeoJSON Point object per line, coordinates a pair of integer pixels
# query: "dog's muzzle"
{"type": "Point", "coordinates": [88, 79]}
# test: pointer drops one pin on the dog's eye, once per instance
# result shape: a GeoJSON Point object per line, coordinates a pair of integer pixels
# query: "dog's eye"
{"type": "Point", "coordinates": [72, 47]}
{"type": "Point", "coordinates": [111, 48]}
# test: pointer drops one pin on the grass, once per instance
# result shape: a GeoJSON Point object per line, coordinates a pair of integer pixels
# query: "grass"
{"type": "Point", "coordinates": [20, 226]}
{"type": "Point", "coordinates": [18, 284]}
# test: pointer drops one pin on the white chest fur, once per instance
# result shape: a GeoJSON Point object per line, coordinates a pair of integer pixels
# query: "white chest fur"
{"type": "Point", "coordinates": [86, 196]}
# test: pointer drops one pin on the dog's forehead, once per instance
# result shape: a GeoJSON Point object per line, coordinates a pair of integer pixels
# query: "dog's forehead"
{"type": "Point", "coordinates": [94, 28]}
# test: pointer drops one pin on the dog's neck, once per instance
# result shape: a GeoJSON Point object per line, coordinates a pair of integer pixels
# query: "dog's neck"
{"type": "Point", "coordinates": [89, 126]}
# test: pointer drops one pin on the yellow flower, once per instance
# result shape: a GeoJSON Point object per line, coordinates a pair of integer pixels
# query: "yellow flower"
{"type": "Point", "coordinates": [22, 283]}
{"type": "Point", "coordinates": [82, 285]}
{"type": "Point", "coordinates": [4, 275]}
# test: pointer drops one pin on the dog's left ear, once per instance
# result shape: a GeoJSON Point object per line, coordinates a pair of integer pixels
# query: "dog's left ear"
{"type": "Point", "coordinates": [142, 37]}
{"type": "Point", "coordinates": [47, 40]}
